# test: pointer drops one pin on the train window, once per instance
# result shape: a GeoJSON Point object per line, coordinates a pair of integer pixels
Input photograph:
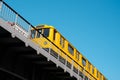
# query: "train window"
{"type": "Point", "coordinates": [70, 49]}
{"type": "Point", "coordinates": [83, 61]}
{"type": "Point", "coordinates": [54, 34]}
{"type": "Point", "coordinates": [86, 78]}
{"type": "Point", "coordinates": [62, 41]}
{"type": "Point", "coordinates": [100, 76]}
{"type": "Point", "coordinates": [104, 78]}
{"type": "Point", "coordinates": [89, 66]}
{"type": "Point", "coordinates": [38, 33]}
{"type": "Point", "coordinates": [97, 74]}
{"type": "Point", "coordinates": [33, 32]}
{"type": "Point", "coordinates": [46, 32]}
{"type": "Point", "coordinates": [77, 55]}
{"type": "Point", "coordinates": [81, 74]}
{"type": "Point", "coordinates": [93, 70]}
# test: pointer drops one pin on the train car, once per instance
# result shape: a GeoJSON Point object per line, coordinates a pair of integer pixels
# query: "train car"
{"type": "Point", "coordinates": [48, 38]}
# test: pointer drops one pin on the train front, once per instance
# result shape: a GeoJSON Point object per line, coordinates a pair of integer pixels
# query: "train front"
{"type": "Point", "coordinates": [41, 35]}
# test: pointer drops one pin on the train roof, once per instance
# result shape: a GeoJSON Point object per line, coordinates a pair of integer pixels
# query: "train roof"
{"type": "Point", "coordinates": [44, 26]}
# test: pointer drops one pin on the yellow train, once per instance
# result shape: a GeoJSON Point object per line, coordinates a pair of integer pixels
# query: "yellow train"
{"type": "Point", "coordinates": [52, 41]}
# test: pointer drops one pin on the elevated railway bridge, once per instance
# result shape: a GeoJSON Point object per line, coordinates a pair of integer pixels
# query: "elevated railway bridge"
{"type": "Point", "coordinates": [22, 59]}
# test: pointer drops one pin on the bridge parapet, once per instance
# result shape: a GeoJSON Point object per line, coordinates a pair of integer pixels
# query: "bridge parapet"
{"type": "Point", "coordinates": [14, 18]}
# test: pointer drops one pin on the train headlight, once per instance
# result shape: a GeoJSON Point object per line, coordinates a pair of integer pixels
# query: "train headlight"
{"type": "Point", "coordinates": [45, 43]}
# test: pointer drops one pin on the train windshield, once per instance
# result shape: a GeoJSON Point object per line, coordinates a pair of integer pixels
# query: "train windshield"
{"type": "Point", "coordinates": [46, 32]}
{"type": "Point", "coordinates": [43, 31]}
{"type": "Point", "coordinates": [38, 33]}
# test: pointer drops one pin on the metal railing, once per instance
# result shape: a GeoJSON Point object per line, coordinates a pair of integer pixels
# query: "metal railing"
{"type": "Point", "coordinates": [11, 16]}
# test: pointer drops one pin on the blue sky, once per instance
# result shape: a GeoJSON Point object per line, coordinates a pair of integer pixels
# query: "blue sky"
{"type": "Point", "coordinates": [92, 26]}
